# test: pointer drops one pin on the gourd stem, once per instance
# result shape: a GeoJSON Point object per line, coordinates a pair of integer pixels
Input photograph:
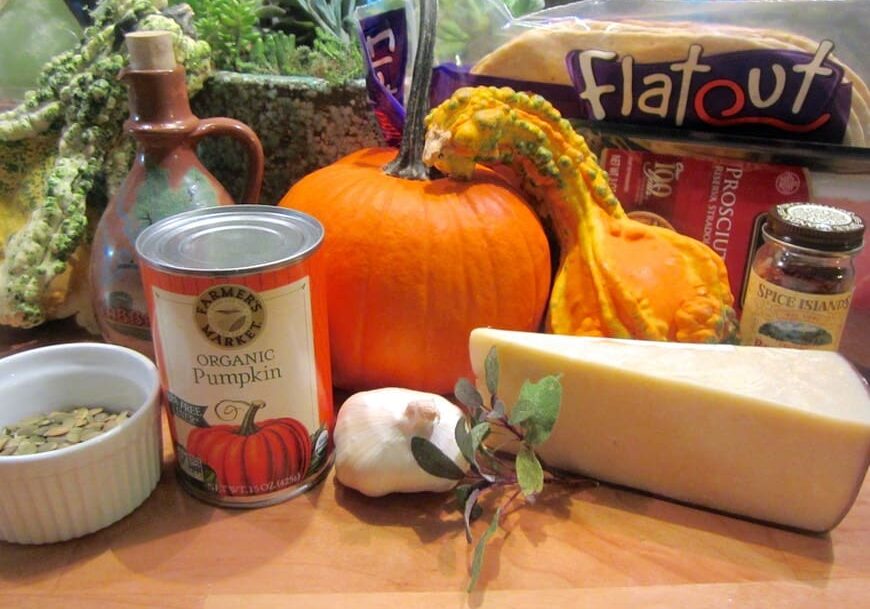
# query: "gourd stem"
{"type": "Point", "coordinates": [408, 163]}
{"type": "Point", "coordinates": [248, 427]}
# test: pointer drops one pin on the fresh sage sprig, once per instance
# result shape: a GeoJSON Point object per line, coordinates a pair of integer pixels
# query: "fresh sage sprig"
{"type": "Point", "coordinates": [519, 474]}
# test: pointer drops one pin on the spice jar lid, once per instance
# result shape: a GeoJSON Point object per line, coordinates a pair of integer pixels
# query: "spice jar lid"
{"type": "Point", "coordinates": [816, 226]}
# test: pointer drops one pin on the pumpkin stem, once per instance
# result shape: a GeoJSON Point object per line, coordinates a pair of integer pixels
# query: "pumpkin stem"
{"type": "Point", "coordinates": [408, 163]}
{"type": "Point", "coordinates": [248, 427]}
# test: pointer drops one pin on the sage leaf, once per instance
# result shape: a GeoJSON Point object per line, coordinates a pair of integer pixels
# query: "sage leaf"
{"type": "Point", "coordinates": [480, 549]}
{"type": "Point", "coordinates": [478, 434]}
{"type": "Point", "coordinates": [522, 411]}
{"type": "Point", "coordinates": [471, 511]}
{"type": "Point", "coordinates": [490, 367]}
{"type": "Point", "coordinates": [462, 491]}
{"type": "Point", "coordinates": [483, 459]}
{"type": "Point", "coordinates": [537, 408]}
{"type": "Point", "coordinates": [475, 512]}
{"type": "Point", "coordinates": [498, 410]}
{"type": "Point", "coordinates": [433, 461]}
{"type": "Point", "coordinates": [463, 439]}
{"type": "Point", "coordinates": [530, 474]}
{"type": "Point", "coordinates": [469, 396]}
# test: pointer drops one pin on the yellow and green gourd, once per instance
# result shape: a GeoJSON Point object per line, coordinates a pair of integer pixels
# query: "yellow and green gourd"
{"type": "Point", "coordinates": [617, 277]}
{"type": "Point", "coordinates": [56, 146]}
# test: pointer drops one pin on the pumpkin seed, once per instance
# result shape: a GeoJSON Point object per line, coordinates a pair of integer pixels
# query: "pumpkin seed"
{"type": "Point", "coordinates": [26, 448]}
{"type": "Point", "coordinates": [57, 429]}
{"type": "Point", "coordinates": [90, 434]}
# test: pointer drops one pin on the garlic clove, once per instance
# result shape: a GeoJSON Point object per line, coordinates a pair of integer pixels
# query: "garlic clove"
{"type": "Point", "coordinates": [373, 434]}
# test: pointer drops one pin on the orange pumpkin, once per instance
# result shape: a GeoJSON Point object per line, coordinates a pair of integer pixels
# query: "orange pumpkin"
{"type": "Point", "coordinates": [413, 264]}
{"type": "Point", "coordinates": [253, 458]}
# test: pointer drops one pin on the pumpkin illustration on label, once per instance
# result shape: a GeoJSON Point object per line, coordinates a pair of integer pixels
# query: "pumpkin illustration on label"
{"type": "Point", "coordinates": [252, 458]}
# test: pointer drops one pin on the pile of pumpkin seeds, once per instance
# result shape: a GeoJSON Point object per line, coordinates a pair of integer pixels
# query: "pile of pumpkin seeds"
{"type": "Point", "coordinates": [59, 429]}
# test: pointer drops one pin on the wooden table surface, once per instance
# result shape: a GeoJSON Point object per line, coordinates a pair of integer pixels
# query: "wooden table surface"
{"type": "Point", "coordinates": [332, 547]}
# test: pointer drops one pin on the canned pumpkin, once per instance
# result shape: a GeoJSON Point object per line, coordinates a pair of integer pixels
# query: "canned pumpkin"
{"type": "Point", "coordinates": [240, 336]}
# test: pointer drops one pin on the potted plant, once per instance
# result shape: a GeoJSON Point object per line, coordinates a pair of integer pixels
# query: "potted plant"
{"type": "Point", "coordinates": [293, 71]}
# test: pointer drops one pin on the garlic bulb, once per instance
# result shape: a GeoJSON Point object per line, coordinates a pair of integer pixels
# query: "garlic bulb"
{"type": "Point", "coordinates": [373, 434]}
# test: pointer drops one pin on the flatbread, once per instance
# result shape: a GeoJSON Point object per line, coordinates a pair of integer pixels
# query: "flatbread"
{"type": "Point", "coordinates": [538, 54]}
{"type": "Point", "coordinates": [792, 41]}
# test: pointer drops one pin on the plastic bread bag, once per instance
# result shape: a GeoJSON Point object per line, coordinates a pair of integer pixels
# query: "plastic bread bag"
{"type": "Point", "coordinates": [703, 113]}
{"type": "Point", "coordinates": [467, 29]}
{"type": "Point", "coordinates": [752, 70]}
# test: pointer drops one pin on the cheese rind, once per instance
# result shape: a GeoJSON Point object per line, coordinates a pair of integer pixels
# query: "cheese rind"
{"type": "Point", "coordinates": [779, 435]}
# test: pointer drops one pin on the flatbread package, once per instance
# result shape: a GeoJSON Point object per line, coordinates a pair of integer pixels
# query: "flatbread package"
{"type": "Point", "coordinates": [755, 71]}
{"type": "Point", "coordinates": [704, 113]}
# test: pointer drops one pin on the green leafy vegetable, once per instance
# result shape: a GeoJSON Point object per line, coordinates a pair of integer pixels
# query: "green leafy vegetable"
{"type": "Point", "coordinates": [463, 440]}
{"type": "Point", "coordinates": [480, 549]}
{"type": "Point", "coordinates": [537, 409]}
{"type": "Point", "coordinates": [467, 393]}
{"type": "Point", "coordinates": [478, 434]}
{"type": "Point", "coordinates": [433, 461]}
{"type": "Point", "coordinates": [529, 425]}
{"type": "Point", "coordinates": [530, 474]}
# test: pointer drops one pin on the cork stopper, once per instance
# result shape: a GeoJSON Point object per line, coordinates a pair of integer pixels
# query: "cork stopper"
{"type": "Point", "coordinates": [150, 50]}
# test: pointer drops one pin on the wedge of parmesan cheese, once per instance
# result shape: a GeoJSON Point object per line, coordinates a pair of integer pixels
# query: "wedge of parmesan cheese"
{"type": "Point", "coordinates": [779, 435]}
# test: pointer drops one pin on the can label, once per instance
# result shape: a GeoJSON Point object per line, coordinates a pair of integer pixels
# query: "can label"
{"type": "Point", "coordinates": [249, 411]}
{"type": "Point", "coordinates": [774, 316]}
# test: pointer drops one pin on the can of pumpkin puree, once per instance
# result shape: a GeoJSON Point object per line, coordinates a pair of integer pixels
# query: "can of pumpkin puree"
{"type": "Point", "coordinates": [238, 313]}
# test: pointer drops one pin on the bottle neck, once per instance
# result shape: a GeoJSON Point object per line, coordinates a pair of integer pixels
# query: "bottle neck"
{"type": "Point", "coordinates": [159, 105]}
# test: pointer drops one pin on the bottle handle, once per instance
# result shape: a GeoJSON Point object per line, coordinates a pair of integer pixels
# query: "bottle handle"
{"type": "Point", "coordinates": [239, 131]}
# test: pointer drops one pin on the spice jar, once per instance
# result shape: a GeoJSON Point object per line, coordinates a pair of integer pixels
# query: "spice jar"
{"type": "Point", "coordinates": [801, 281]}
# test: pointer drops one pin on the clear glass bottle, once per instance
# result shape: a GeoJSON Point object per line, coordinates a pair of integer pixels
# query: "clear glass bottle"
{"type": "Point", "coordinates": [802, 278]}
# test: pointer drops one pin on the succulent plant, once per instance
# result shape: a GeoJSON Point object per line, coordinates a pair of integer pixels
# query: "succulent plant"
{"type": "Point", "coordinates": [299, 17]}
{"type": "Point", "coordinates": [291, 37]}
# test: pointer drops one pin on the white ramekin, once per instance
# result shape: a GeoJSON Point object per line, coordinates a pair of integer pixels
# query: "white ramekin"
{"type": "Point", "coordinates": [74, 491]}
